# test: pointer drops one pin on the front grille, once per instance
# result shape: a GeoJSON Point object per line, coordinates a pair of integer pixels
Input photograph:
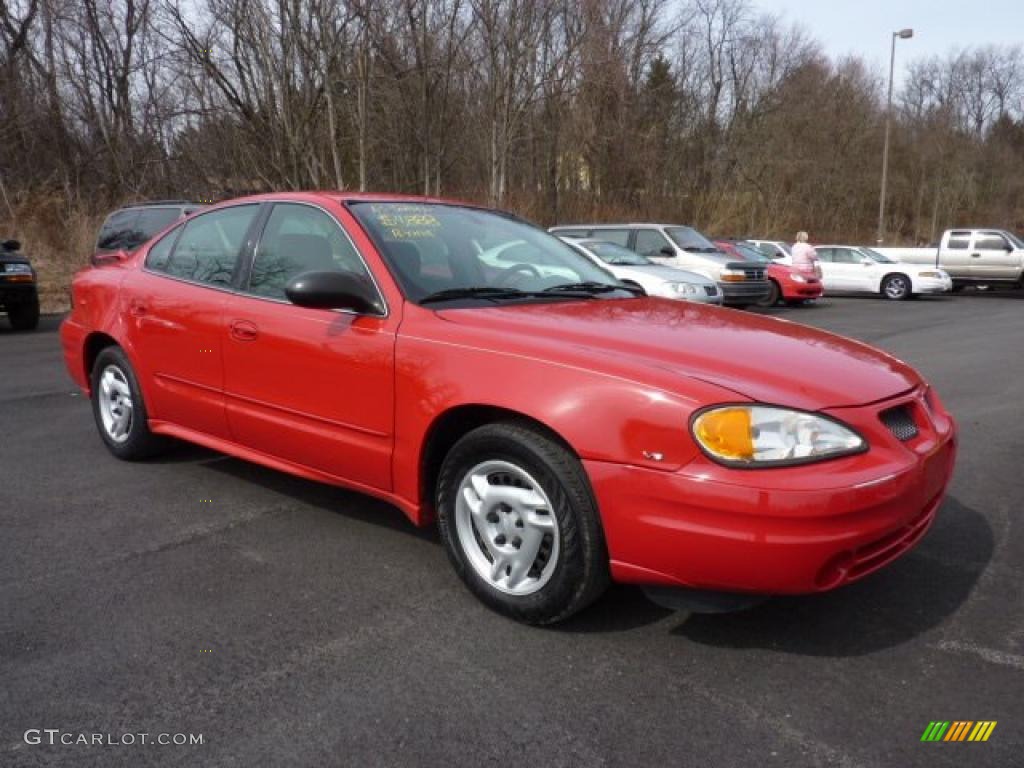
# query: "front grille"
{"type": "Point", "coordinates": [753, 273]}
{"type": "Point", "coordinates": [900, 422]}
{"type": "Point", "coordinates": [710, 290]}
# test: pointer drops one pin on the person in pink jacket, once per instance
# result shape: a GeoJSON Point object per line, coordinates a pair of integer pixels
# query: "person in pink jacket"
{"type": "Point", "coordinates": [805, 258]}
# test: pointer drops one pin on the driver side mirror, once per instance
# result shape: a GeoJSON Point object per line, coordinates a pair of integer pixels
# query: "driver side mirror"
{"type": "Point", "coordinates": [333, 290]}
{"type": "Point", "coordinates": [666, 250]}
{"type": "Point", "coordinates": [866, 261]}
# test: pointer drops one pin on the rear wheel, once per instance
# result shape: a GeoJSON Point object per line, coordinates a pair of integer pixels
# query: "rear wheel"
{"type": "Point", "coordinates": [119, 409]}
{"type": "Point", "coordinates": [520, 525]}
{"type": "Point", "coordinates": [896, 287]}
{"type": "Point", "coordinates": [24, 315]}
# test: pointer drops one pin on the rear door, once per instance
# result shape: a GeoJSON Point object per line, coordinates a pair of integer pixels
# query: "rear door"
{"type": "Point", "coordinates": [955, 254]}
{"type": "Point", "coordinates": [174, 310]}
{"type": "Point", "coordinates": [992, 257]}
{"type": "Point", "coordinates": [314, 387]}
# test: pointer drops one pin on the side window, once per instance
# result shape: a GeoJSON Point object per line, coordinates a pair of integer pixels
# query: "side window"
{"type": "Point", "coordinates": [959, 241]}
{"type": "Point", "coordinates": [824, 254]}
{"type": "Point", "coordinates": [769, 250]}
{"type": "Point", "coordinates": [157, 257]}
{"type": "Point", "coordinates": [845, 256]}
{"type": "Point", "coordinates": [649, 242]}
{"type": "Point", "coordinates": [209, 245]}
{"type": "Point", "coordinates": [155, 220]}
{"type": "Point", "coordinates": [990, 241]}
{"type": "Point", "coordinates": [297, 239]}
{"type": "Point", "coordinates": [117, 231]}
{"type": "Point", "coordinates": [617, 236]}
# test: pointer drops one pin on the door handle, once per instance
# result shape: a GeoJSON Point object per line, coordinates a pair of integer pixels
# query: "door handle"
{"type": "Point", "coordinates": [243, 330]}
{"type": "Point", "coordinates": [136, 308]}
{"type": "Point", "coordinates": [975, 255]}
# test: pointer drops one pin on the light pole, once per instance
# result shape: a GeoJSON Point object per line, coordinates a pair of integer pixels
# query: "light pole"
{"type": "Point", "coordinates": [902, 34]}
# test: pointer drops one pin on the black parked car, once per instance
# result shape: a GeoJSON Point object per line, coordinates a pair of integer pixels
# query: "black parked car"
{"type": "Point", "coordinates": [19, 296]}
{"type": "Point", "coordinates": [127, 228]}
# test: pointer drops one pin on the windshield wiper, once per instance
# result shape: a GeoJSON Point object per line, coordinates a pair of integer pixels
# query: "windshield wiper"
{"type": "Point", "coordinates": [591, 288]}
{"type": "Point", "coordinates": [587, 288]}
{"type": "Point", "coordinates": [472, 292]}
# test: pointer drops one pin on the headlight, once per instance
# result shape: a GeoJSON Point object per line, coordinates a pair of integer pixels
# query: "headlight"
{"type": "Point", "coordinates": [685, 289]}
{"type": "Point", "coordinates": [930, 274]}
{"type": "Point", "coordinates": [18, 269]}
{"type": "Point", "coordinates": [732, 276]}
{"type": "Point", "coordinates": [798, 278]}
{"type": "Point", "coordinates": [765, 435]}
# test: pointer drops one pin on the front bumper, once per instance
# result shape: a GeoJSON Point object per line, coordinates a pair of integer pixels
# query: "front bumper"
{"type": "Point", "coordinates": [932, 285]}
{"type": "Point", "coordinates": [745, 292]}
{"type": "Point", "coordinates": [809, 290]}
{"type": "Point", "coordinates": [779, 531]}
{"type": "Point", "coordinates": [16, 292]}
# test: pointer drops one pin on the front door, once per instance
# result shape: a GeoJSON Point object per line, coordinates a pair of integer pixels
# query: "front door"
{"type": "Point", "coordinates": [313, 387]}
{"type": "Point", "coordinates": [992, 257]}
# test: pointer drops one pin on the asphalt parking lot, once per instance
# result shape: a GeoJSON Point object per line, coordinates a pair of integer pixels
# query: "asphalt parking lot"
{"type": "Point", "coordinates": [296, 624]}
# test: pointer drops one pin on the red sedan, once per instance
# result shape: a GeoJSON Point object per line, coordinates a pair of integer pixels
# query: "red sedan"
{"type": "Point", "coordinates": [789, 284]}
{"type": "Point", "coordinates": [562, 430]}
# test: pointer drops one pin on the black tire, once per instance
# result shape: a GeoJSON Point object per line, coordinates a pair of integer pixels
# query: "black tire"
{"type": "Point", "coordinates": [774, 294]}
{"type": "Point", "coordinates": [897, 287]}
{"type": "Point", "coordinates": [140, 443]}
{"type": "Point", "coordinates": [24, 315]}
{"type": "Point", "coordinates": [958, 287]}
{"type": "Point", "coordinates": [580, 574]}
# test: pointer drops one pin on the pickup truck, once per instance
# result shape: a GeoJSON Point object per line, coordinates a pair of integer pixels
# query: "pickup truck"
{"type": "Point", "coordinates": [971, 256]}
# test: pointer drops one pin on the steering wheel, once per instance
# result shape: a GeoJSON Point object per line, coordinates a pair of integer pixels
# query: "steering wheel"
{"type": "Point", "coordinates": [505, 280]}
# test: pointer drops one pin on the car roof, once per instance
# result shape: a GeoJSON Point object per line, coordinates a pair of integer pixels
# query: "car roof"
{"type": "Point", "coordinates": [615, 225]}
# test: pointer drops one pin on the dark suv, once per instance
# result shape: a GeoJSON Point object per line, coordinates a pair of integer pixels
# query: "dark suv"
{"type": "Point", "coordinates": [19, 296]}
{"type": "Point", "coordinates": [129, 227]}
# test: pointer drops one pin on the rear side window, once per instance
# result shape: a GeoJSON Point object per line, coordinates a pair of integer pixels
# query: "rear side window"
{"type": "Point", "coordinates": [160, 252]}
{"type": "Point", "coordinates": [959, 241]}
{"type": "Point", "coordinates": [154, 220]}
{"type": "Point", "coordinates": [570, 232]}
{"type": "Point", "coordinates": [617, 236]}
{"type": "Point", "coordinates": [117, 231]}
{"type": "Point", "coordinates": [824, 254]}
{"type": "Point", "coordinates": [845, 256]}
{"type": "Point", "coordinates": [209, 245]}
{"type": "Point", "coordinates": [297, 239]}
{"type": "Point", "coordinates": [649, 242]}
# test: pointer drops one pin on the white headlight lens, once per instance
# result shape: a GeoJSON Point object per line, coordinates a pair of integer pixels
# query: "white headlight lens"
{"type": "Point", "coordinates": [754, 435]}
{"type": "Point", "coordinates": [683, 288]}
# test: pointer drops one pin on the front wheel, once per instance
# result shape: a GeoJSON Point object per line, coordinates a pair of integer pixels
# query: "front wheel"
{"type": "Point", "coordinates": [520, 525]}
{"type": "Point", "coordinates": [774, 294]}
{"type": "Point", "coordinates": [896, 287]}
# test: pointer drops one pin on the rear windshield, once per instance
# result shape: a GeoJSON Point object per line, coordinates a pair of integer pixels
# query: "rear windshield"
{"type": "Point", "coordinates": [127, 230]}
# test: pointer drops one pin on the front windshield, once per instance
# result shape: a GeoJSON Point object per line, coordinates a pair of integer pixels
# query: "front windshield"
{"type": "Point", "coordinates": [879, 257]}
{"type": "Point", "coordinates": [1017, 242]}
{"type": "Point", "coordinates": [610, 253]}
{"type": "Point", "coordinates": [449, 252]}
{"type": "Point", "coordinates": [689, 239]}
{"type": "Point", "coordinates": [786, 247]}
{"type": "Point", "coordinates": [750, 253]}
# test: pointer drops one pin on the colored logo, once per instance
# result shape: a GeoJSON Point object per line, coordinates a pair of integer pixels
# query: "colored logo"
{"type": "Point", "coordinates": [958, 730]}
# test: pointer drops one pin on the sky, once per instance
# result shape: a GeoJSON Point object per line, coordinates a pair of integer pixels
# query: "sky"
{"type": "Point", "coordinates": [864, 27]}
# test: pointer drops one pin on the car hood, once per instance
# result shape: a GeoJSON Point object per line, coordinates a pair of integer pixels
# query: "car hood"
{"type": "Point", "coordinates": [669, 274]}
{"type": "Point", "coordinates": [762, 358]}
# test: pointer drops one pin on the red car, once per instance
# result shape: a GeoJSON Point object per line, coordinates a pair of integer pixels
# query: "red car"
{"type": "Point", "coordinates": [562, 430]}
{"type": "Point", "coordinates": [789, 284]}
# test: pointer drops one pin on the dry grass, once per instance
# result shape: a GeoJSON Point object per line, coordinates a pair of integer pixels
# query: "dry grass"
{"type": "Point", "coordinates": [57, 236]}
